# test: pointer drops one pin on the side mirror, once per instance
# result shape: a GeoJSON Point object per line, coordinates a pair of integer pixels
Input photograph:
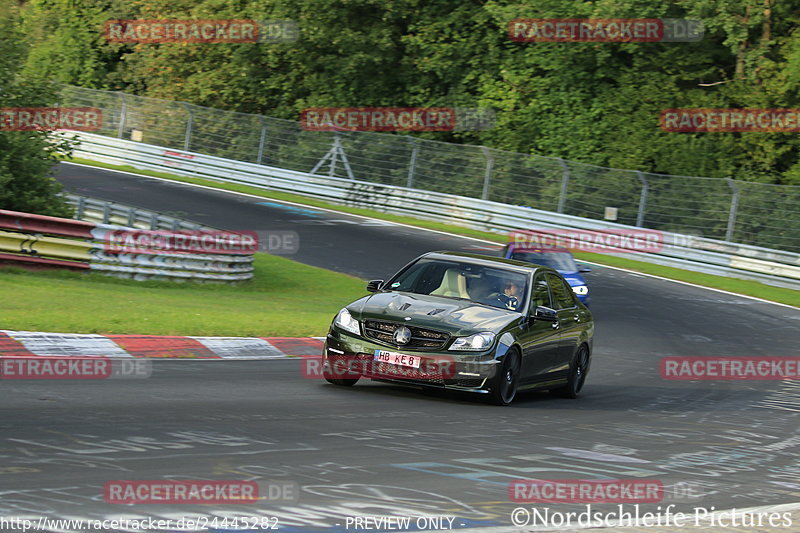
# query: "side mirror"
{"type": "Point", "coordinates": [545, 313]}
{"type": "Point", "coordinates": [374, 285]}
{"type": "Point", "coordinates": [584, 268]}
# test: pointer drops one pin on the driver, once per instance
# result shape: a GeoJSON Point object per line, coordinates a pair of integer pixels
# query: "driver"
{"type": "Point", "coordinates": [512, 292]}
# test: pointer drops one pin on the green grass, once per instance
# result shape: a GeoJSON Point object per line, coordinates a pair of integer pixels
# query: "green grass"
{"type": "Point", "coordinates": [750, 288]}
{"type": "Point", "coordinates": [738, 286]}
{"type": "Point", "coordinates": [285, 298]}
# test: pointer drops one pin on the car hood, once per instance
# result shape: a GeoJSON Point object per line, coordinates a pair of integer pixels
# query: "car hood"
{"type": "Point", "coordinates": [573, 278]}
{"type": "Point", "coordinates": [457, 317]}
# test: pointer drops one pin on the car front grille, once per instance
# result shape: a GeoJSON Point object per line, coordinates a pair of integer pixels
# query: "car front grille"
{"type": "Point", "coordinates": [429, 373]}
{"type": "Point", "coordinates": [421, 338]}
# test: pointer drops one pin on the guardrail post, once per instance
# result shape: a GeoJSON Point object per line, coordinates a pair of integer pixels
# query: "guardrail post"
{"type": "Point", "coordinates": [334, 153]}
{"type": "Point", "coordinates": [131, 217]}
{"type": "Point", "coordinates": [123, 116]}
{"type": "Point", "coordinates": [487, 177]}
{"type": "Point", "coordinates": [80, 208]}
{"type": "Point", "coordinates": [642, 199]}
{"type": "Point", "coordinates": [189, 125]}
{"type": "Point", "coordinates": [562, 198]}
{"type": "Point", "coordinates": [154, 220]}
{"type": "Point", "coordinates": [261, 141]}
{"type": "Point", "coordinates": [106, 212]}
{"type": "Point", "coordinates": [412, 165]}
{"type": "Point", "coordinates": [734, 208]}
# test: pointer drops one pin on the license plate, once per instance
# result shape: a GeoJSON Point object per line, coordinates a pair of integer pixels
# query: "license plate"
{"type": "Point", "coordinates": [400, 359]}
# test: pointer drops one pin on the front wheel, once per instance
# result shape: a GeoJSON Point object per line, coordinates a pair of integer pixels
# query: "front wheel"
{"type": "Point", "coordinates": [504, 386]}
{"type": "Point", "coordinates": [578, 370]}
{"type": "Point", "coordinates": [339, 372]}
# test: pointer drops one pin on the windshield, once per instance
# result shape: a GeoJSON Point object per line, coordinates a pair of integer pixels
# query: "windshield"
{"type": "Point", "coordinates": [494, 286]}
{"type": "Point", "coordinates": [562, 261]}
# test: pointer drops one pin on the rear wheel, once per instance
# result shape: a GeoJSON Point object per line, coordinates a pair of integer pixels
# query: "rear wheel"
{"type": "Point", "coordinates": [504, 386]}
{"type": "Point", "coordinates": [578, 370]}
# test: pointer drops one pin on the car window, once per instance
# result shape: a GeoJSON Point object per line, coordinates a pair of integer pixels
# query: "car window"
{"type": "Point", "coordinates": [562, 294]}
{"type": "Point", "coordinates": [541, 293]}
{"type": "Point", "coordinates": [494, 286]}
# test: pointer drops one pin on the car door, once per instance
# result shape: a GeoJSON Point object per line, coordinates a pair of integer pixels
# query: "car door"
{"type": "Point", "coordinates": [540, 339]}
{"type": "Point", "coordinates": [570, 317]}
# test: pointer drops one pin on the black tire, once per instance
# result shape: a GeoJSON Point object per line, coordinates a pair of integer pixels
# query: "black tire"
{"type": "Point", "coordinates": [504, 384]}
{"type": "Point", "coordinates": [341, 382]}
{"type": "Point", "coordinates": [341, 370]}
{"type": "Point", "coordinates": [578, 370]}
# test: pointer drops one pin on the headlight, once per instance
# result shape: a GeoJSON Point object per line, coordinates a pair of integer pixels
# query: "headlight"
{"type": "Point", "coordinates": [479, 341]}
{"type": "Point", "coordinates": [345, 321]}
{"type": "Point", "coordinates": [581, 290]}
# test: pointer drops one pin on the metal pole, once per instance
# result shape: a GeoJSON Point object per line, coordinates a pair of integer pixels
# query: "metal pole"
{"type": "Point", "coordinates": [189, 124]}
{"type": "Point", "coordinates": [334, 153]}
{"type": "Point", "coordinates": [487, 177]}
{"type": "Point", "coordinates": [345, 162]}
{"type": "Point", "coordinates": [123, 114]}
{"type": "Point", "coordinates": [261, 141]}
{"type": "Point", "coordinates": [562, 199]}
{"type": "Point", "coordinates": [412, 165]}
{"type": "Point", "coordinates": [642, 199]}
{"type": "Point", "coordinates": [81, 208]}
{"type": "Point", "coordinates": [734, 208]}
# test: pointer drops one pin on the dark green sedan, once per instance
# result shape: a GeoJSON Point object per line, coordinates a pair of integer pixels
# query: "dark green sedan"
{"type": "Point", "coordinates": [465, 322]}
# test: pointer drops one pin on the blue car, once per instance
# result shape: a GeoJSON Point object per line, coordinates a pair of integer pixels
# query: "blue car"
{"type": "Point", "coordinates": [560, 260]}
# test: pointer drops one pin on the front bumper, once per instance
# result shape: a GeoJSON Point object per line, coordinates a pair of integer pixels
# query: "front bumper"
{"type": "Point", "coordinates": [349, 356]}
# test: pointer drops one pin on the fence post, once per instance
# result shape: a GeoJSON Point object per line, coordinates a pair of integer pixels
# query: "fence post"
{"type": "Point", "coordinates": [261, 141]}
{"type": "Point", "coordinates": [734, 208]}
{"type": "Point", "coordinates": [562, 198]}
{"type": "Point", "coordinates": [80, 208]}
{"type": "Point", "coordinates": [189, 124]}
{"type": "Point", "coordinates": [412, 165]}
{"type": "Point", "coordinates": [487, 177]}
{"type": "Point", "coordinates": [642, 199]}
{"type": "Point", "coordinates": [123, 116]}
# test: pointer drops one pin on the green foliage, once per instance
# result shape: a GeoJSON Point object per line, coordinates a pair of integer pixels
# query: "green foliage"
{"type": "Point", "coordinates": [596, 103]}
{"type": "Point", "coordinates": [26, 157]}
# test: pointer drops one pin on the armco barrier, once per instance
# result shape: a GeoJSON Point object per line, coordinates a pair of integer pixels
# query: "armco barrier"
{"type": "Point", "coordinates": [36, 241]}
{"type": "Point", "coordinates": [104, 212]}
{"type": "Point", "coordinates": [710, 256]}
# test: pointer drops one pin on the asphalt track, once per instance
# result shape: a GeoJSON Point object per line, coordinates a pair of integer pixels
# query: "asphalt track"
{"type": "Point", "coordinates": [377, 449]}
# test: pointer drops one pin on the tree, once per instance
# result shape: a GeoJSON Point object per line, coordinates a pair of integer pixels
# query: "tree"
{"type": "Point", "coordinates": [26, 157]}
